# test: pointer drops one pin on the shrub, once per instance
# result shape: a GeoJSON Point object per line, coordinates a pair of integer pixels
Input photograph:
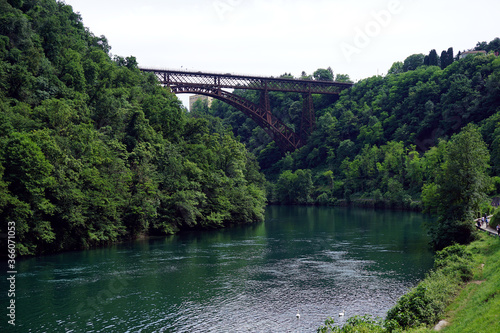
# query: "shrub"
{"type": "Point", "coordinates": [412, 309]}
{"type": "Point", "coordinates": [356, 324]}
{"type": "Point", "coordinates": [425, 303]}
{"type": "Point", "coordinates": [460, 268]}
{"type": "Point", "coordinates": [450, 254]}
{"type": "Point", "coordinates": [323, 199]}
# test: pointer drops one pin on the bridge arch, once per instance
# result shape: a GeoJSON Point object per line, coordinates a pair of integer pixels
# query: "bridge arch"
{"type": "Point", "coordinates": [284, 136]}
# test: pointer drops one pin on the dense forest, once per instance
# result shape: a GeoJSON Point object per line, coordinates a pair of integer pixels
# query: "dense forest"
{"type": "Point", "coordinates": [391, 141]}
{"type": "Point", "coordinates": [93, 151]}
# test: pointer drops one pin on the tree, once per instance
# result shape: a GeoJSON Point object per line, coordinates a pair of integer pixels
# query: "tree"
{"type": "Point", "coordinates": [426, 60]}
{"type": "Point", "coordinates": [294, 187]}
{"type": "Point", "coordinates": [323, 74]}
{"type": "Point", "coordinates": [343, 78]}
{"type": "Point", "coordinates": [305, 76]}
{"type": "Point", "coordinates": [444, 59]}
{"type": "Point", "coordinates": [460, 188]}
{"type": "Point", "coordinates": [433, 58]}
{"type": "Point", "coordinates": [494, 45]}
{"type": "Point", "coordinates": [396, 68]}
{"type": "Point", "coordinates": [94, 151]}
{"type": "Point", "coordinates": [413, 62]}
{"type": "Point", "coordinates": [450, 57]}
{"type": "Point", "coordinates": [481, 46]}
{"type": "Point", "coordinates": [28, 175]}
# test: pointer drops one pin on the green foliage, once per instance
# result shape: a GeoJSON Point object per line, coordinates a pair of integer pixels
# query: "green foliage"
{"type": "Point", "coordinates": [476, 308]}
{"type": "Point", "coordinates": [447, 58]}
{"type": "Point", "coordinates": [294, 187]}
{"type": "Point", "coordinates": [356, 324]}
{"type": "Point", "coordinates": [323, 74]}
{"type": "Point", "coordinates": [455, 260]}
{"type": "Point", "coordinates": [92, 151]}
{"type": "Point", "coordinates": [415, 104]}
{"type": "Point", "coordinates": [426, 303]}
{"type": "Point", "coordinates": [27, 174]}
{"type": "Point", "coordinates": [459, 188]}
{"type": "Point", "coordinates": [433, 58]}
{"type": "Point", "coordinates": [413, 62]}
{"type": "Point", "coordinates": [396, 68]}
{"type": "Point", "coordinates": [493, 46]}
{"type": "Point", "coordinates": [385, 139]}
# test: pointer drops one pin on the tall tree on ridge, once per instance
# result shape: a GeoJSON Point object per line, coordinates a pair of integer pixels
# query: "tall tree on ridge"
{"type": "Point", "coordinates": [433, 58]}
{"type": "Point", "coordinates": [444, 59]}
{"type": "Point", "coordinates": [450, 56]}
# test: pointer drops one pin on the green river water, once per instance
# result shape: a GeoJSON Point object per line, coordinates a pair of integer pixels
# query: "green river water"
{"type": "Point", "coordinates": [316, 260]}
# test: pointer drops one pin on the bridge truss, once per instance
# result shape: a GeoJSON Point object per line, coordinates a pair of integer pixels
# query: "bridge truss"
{"type": "Point", "coordinates": [211, 84]}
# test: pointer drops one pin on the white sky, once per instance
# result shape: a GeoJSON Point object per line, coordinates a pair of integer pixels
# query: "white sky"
{"type": "Point", "coordinates": [360, 38]}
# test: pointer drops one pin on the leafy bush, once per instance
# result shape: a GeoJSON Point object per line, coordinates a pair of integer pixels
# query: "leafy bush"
{"type": "Point", "coordinates": [449, 254]}
{"type": "Point", "coordinates": [356, 324]}
{"type": "Point", "coordinates": [425, 303]}
{"type": "Point", "coordinates": [323, 199]}
{"type": "Point", "coordinates": [460, 268]}
{"type": "Point", "coordinates": [455, 261]}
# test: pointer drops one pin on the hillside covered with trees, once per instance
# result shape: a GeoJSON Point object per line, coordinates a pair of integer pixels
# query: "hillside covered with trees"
{"type": "Point", "coordinates": [93, 151]}
{"type": "Point", "coordinates": [391, 141]}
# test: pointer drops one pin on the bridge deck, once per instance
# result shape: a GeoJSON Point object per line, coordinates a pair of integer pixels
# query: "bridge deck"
{"type": "Point", "coordinates": [186, 78]}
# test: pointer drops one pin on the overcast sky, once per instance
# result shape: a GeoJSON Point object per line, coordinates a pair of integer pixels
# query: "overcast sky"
{"type": "Point", "coordinates": [360, 38]}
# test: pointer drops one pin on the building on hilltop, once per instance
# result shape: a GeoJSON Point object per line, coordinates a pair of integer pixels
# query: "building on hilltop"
{"type": "Point", "coordinates": [194, 98]}
{"type": "Point", "coordinates": [468, 53]}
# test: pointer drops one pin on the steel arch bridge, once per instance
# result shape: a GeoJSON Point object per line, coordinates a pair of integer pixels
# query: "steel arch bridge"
{"type": "Point", "coordinates": [213, 85]}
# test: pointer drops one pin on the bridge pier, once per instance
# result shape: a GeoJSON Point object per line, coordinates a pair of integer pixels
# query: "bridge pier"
{"type": "Point", "coordinates": [308, 118]}
{"type": "Point", "coordinates": [265, 105]}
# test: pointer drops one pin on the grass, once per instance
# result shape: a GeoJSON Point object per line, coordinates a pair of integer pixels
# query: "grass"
{"type": "Point", "coordinates": [477, 307]}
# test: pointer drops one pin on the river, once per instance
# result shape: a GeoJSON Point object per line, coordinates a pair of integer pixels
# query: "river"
{"type": "Point", "coordinates": [316, 260]}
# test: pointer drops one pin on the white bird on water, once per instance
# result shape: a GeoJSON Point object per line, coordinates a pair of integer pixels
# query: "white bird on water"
{"type": "Point", "coordinates": [341, 314]}
{"type": "Point", "coordinates": [298, 314]}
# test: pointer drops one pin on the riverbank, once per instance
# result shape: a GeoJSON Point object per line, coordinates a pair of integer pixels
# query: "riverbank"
{"type": "Point", "coordinates": [475, 309]}
{"type": "Point", "coordinates": [370, 203]}
{"type": "Point", "coordinates": [462, 293]}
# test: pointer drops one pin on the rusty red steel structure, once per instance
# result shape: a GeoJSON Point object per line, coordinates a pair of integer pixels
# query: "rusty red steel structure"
{"type": "Point", "coordinates": [213, 85]}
